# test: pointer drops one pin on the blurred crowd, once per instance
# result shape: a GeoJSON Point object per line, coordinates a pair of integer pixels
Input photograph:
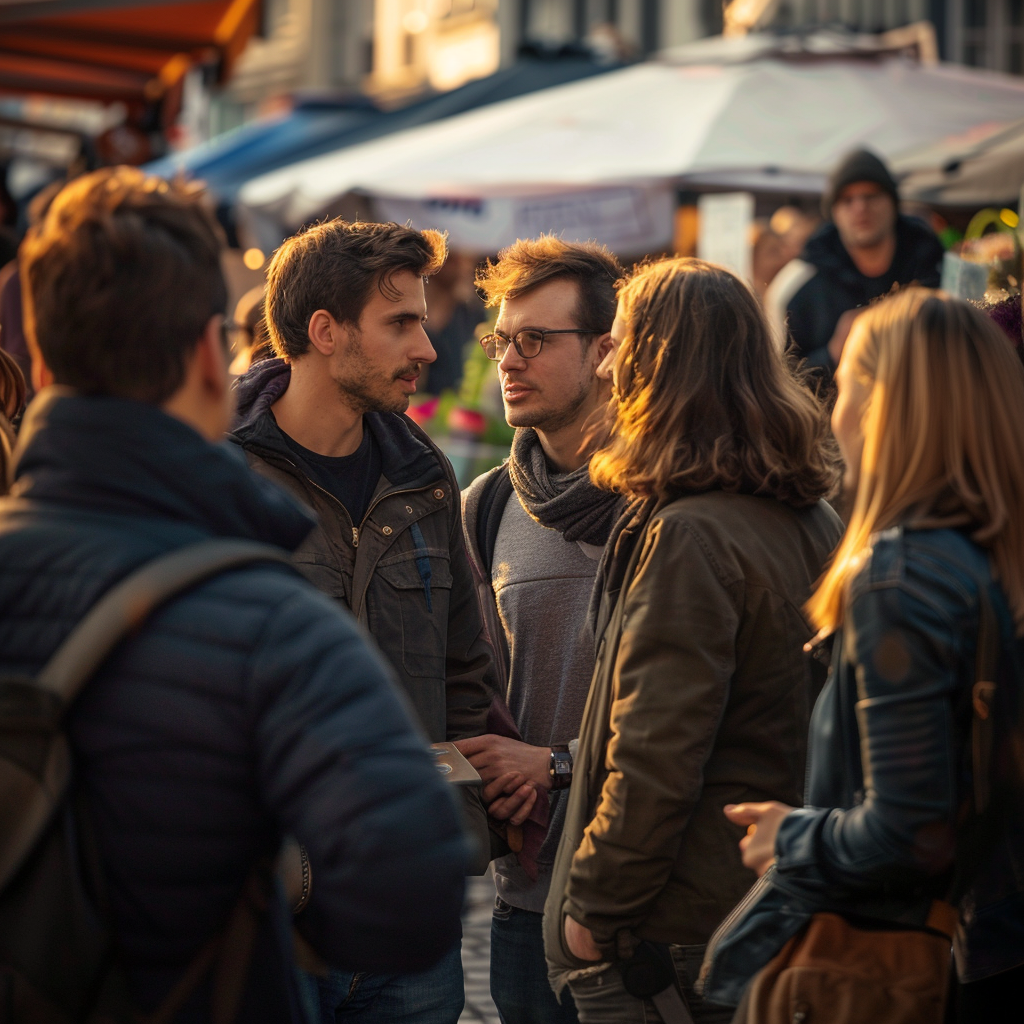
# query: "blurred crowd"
{"type": "Point", "coordinates": [718, 674]}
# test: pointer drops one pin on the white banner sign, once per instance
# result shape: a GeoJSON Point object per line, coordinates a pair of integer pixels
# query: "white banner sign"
{"type": "Point", "coordinates": [630, 221]}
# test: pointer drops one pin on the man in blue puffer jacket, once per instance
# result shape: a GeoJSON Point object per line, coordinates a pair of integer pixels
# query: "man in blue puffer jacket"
{"type": "Point", "coordinates": [247, 709]}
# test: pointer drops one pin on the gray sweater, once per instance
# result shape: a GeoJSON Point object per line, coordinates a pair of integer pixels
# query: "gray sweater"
{"type": "Point", "coordinates": [542, 586]}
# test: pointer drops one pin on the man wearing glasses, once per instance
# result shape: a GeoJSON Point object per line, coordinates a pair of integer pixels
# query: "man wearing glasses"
{"type": "Point", "coordinates": [535, 530]}
{"type": "Point", "coordinates": [865, 249]}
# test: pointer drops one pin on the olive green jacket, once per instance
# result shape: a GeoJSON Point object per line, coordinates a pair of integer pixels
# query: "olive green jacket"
{"type": "Point", "coordinates": [701, 697]}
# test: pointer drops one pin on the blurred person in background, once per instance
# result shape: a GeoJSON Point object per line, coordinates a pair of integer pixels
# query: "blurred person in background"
{"type": "Point", "coordinates": [345, 309]}
{"type": "Point", "coordinates": [247, 332]}
{"type": "Point", "coordinates": [249, 706]}
{"type": "Point", "coordinates": [12, 402]}
{"type": "Point", "coordinates": [930, 421]}
{"type": "Point", "coordinates": [865, 249]}
{"type": "Point", "coordinates": [535, 530]}
{"type": "Point", "coordinates": [455, 313]}
{"type": "Point", "coordinates": [701, 691]}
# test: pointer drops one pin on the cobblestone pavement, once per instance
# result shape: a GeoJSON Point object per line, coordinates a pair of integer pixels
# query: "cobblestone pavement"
{"type": "Point", "coordinates": [476, 951]}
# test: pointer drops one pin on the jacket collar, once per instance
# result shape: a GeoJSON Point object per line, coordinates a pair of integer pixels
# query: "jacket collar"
{"type": "Point", "coordinates": [408, 457]}
{"type": "Point", "coordinates": [917, 251]}
{"type": "Point", "coordinates": [122, 457]}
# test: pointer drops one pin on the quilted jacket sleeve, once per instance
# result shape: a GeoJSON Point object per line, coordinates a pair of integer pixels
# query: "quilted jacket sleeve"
{"type": "Point", "coordinates": [346, 772]}
{"type": "Point", "coordinates": [909, 664]}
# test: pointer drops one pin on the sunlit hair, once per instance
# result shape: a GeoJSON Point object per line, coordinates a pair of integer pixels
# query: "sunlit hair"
{"type": "Point", "coordinates": [943, 437]}
{"type": "Point", "coordinates": [704, 399]}
{"type": "Point", "coordinates": [531, 262]}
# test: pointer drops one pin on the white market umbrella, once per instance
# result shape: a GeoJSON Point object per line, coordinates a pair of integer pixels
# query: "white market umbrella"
{"type": "Point", "coordinates": [764, 124]}
{"type": "Point", "coordinates": [983, 167]}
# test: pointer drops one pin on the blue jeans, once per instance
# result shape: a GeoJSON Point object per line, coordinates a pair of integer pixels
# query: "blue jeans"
{"type": "Point", "coordinates": [519, 972]}
{"type": "Point", "coordinates": [436, 996]}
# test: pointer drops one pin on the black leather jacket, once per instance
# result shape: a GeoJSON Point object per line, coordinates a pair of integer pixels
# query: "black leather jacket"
{"type": "Point", "coordinates": [890, 770]}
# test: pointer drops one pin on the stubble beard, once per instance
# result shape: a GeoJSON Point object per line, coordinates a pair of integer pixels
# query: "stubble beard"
{"type": "Point", "coordinates": [365, 389]}
{"type": "Point", "coordinates": [549, 420]}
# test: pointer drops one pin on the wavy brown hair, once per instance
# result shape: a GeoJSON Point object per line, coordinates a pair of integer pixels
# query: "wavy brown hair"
{"type": "Point", "coordinates": [704, 400]}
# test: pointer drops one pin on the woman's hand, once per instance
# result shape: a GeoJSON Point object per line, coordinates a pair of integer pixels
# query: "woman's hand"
{"type": "Point", "coordinates": [580, 941]}
{"type": "Point", "coordinates": [758, 845]}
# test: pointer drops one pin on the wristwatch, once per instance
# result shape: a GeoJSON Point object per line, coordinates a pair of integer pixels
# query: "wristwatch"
{"type": "Point", "coordinates": [561, 767]}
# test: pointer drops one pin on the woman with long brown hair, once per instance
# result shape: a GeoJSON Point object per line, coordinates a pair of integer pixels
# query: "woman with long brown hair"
{"type": "Point", "coordinates": [920, 718]}
{"type": "Point", "coordinates": [701, 692]}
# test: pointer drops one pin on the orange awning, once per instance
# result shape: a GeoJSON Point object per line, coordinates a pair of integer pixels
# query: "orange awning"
{"type": "Point", "coordinates": [115, 51]}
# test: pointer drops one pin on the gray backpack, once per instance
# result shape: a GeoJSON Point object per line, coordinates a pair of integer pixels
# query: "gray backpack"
{"type": "Point", "coordinates": [57, 956]}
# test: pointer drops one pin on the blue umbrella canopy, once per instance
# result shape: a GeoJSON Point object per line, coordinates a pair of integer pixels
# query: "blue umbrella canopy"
{"type": "Point", "coordinates": [321, 125]}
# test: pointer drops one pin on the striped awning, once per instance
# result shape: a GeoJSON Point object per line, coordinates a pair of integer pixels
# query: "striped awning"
{"type": "Point", "coordinates": [117, 50]}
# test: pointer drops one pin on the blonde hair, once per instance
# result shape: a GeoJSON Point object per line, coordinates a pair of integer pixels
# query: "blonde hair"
{"type": "Point", "coordinates": [943, 435]}
{"type": "Point", "coordinates": [704, 398]}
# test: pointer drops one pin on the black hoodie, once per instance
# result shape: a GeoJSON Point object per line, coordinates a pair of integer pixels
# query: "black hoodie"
{"type": "Point", "coordinates": [812, 293]}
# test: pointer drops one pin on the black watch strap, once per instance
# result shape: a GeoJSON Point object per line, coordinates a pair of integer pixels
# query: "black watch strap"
{"type": "Point", "coordinates": [561, 767]}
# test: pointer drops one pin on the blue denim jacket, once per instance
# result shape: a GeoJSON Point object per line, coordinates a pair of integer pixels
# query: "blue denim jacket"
{"type": "Point", "coordinates": [890, 771]}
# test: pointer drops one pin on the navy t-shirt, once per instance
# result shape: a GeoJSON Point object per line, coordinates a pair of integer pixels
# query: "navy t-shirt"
{"type": "Point", "coordinates": [351, 479]}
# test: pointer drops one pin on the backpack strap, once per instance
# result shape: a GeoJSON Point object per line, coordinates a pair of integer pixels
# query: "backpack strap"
{"type": "Point", "coordinates": [125, 608]}
{"type": "Point", "coordinates": [494, 497]}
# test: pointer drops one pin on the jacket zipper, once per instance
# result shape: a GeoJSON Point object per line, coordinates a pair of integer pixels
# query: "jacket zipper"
{"type": "Point", "coordinates": [722, 931]}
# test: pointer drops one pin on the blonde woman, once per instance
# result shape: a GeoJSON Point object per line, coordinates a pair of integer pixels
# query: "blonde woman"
{"type": "Point", "coordinates": [701, 692]}
{"type": "Point", "coordinates": [930, 421]}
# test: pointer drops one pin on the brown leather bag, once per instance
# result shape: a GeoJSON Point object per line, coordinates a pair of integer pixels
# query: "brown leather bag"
{"type": "Point", "coordinates": [837, 973]}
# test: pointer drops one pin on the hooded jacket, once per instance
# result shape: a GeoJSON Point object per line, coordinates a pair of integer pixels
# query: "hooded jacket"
{"type": "Point", "coordinates": [247, 708]}
{"type": "Point", "coordinates": [810, 294]}
{"type": "Point", "coordinates": [403, 570]}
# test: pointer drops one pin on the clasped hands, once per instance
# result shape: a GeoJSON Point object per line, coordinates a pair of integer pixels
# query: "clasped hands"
{"type": "Point", "coordinates": [513, 772]}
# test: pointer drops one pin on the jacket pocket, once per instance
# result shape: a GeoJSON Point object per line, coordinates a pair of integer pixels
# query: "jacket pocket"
{"type": "Point", "coordinates": [420, 588]}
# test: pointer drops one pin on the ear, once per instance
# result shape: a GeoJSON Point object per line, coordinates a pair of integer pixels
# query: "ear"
{"type": "Point", "coordinates": [606, 351]}
{"type": "Point", "coordinates": [323, 332]}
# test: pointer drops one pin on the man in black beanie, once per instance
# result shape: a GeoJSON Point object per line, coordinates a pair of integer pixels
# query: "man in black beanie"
{"type": "Point", "coordinates": [866, 247]}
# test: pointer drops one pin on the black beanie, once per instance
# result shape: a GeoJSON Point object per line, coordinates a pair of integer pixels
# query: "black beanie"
{"type": "Point", "coordinates": [860, 165]}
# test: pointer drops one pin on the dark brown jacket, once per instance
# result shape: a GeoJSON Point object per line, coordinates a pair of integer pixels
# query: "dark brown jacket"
{"type": "Point", "coordinates": [429, 628]}
{"type": "Point", "coordinates": [701, 697]}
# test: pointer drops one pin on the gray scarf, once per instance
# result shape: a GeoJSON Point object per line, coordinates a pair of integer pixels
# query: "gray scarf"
{"type": "Point", "coordinates": [569, 502]}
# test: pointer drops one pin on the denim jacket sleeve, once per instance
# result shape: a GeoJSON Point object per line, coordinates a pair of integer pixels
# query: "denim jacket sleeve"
{"type": "Point", "coordinates": [905, 668]}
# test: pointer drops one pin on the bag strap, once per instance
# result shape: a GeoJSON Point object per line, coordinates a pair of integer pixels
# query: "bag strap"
{"type": "Point", "coordinates": [125, 607]}
{"type": "Point", "coordinates": [494, 497]}
{"type": "Point", "coordinates": [227, 955]}
{"type": "Point", "coordinates": [978, 830]}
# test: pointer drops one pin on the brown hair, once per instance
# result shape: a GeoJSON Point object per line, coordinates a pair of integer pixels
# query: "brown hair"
{"type": "Point", "coordinates": [334, 266]}
{"type": "Point", "coordinates": [704, 399]}
{"type": "Point", "coordinates": [531, 262]}
{"type": "Point", "coordinates": [12, 387]}
{"type": "Point", "coordinates": [119, 280]}
{"type": "Point", "coordinates": [943, 437]}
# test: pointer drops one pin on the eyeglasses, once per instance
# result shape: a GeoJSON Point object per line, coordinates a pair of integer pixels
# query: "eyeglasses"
{"type": "Point", "coordinates": [527, 343]}
{"type": "Point", "coordinates": [235, 336]}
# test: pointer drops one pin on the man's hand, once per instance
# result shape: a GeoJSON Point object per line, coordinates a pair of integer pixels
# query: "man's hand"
{"type": "Point", "coordinates": [763, 821]}
{"type": "Point", "coordinates": [837, 342]}
{"type": "Point", "coordinates": [495, 756]}
{"type": "Point", "coordinates": [580, 941]}
{"type": "Point", "coordinates": [516, 799]}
